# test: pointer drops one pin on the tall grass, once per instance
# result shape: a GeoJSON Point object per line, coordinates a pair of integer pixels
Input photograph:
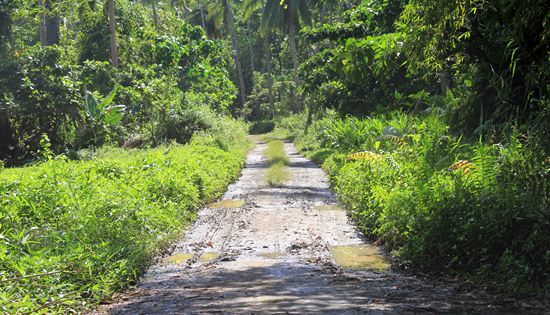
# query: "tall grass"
{"type": "Point", "coordinates": [73, 232]}
{"type": "Point", "coordinates": [448, 205]}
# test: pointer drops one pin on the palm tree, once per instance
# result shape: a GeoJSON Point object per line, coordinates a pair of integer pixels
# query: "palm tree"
{"type": "Point", "coordinates": [250, 7]}
{"type": "Point", "coordinates": [287, 15]}
{"type": "Point", "coordinates": [198, 16]}
{"type": "Point", "coordinates": [326, 6]}
{"type": "Point", "coordinates": [42, 27]}
{"type": "Point", "coordinates": [221, 12]}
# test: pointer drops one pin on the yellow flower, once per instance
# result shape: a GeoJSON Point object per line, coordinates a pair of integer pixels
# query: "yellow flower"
{"type": "Point", "coordinates": [366, 155]}
{"type": "Point", "coordinates": [400, 141]}
{"type": "Point", "coordinates": [463, 165]}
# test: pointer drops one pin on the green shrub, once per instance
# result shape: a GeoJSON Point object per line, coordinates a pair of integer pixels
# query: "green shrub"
{"type": "Point", "coordinates": [73, 232]}
{"type": "Point", "coordinates": [180, 125]}
{"type": "Point", "coordinates": [263, 126]}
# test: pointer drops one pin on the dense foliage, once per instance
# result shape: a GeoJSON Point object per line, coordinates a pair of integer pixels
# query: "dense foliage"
{"type": "Point", "coordinates": [448, 101]}
{"type": "Point", "coordinates": [81, 220]}
{"type": "Point", "coordinates": [73, 232]}
{"type": "Point", "coordinates": [447, 205]}
{"type": "Point", "coordinates": [166, 78]}
{"type": "Point", "coordinates": [483, 64]}
{"type": "Point", "coordinates": [458, 180]}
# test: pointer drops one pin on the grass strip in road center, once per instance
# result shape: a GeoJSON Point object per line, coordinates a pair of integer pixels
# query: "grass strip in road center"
{"type": "Point", "coordinates": [278, 172]}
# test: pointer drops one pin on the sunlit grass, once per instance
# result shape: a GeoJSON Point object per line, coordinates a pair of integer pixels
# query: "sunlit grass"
{"type": "Point", "coordinates": [278, 172]}
{"type": "Point", "coordinates": [74, 232]}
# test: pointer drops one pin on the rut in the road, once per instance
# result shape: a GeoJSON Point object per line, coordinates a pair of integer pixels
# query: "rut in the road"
{"type": "Point", "coordinates": [273, 255]}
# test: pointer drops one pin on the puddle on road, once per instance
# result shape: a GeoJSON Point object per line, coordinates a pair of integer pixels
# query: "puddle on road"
{"type": "Point", "coordinates": [229, 203]}
{"type": "Point", "coordinates": [181, 258]}
{"type": "Point", "coordinates": [208, 257]}
{"type": "Point", "coordinates": [360, 257]}
{"type": "Point", "coordinates": [178, 258]}
{"type": "Point", "coordinates": [329, 208]}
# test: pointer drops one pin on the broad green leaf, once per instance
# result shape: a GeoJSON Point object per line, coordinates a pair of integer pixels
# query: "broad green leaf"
{"type": "Point", "coordinates": [109, 99]}
{"type": "Point", "coordinates": [114, 114]}
{"type": "Point", "coordinates": [91, 105]}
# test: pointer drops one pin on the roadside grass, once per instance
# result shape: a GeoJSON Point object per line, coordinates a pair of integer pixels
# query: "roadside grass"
{"type": "Point", "coordinates": [74, 232]}
{"type": "Point", "coordinates": [278, 172]}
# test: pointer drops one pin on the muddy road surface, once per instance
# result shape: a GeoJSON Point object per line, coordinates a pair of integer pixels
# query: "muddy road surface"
{"type": "Point", "coordinates": [289, 250]}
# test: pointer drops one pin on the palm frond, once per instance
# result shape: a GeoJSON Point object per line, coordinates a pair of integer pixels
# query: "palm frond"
{"type": "Point", "coordinates": [250, 7]}
{"type": "Point", "coordinates": [216, 14]}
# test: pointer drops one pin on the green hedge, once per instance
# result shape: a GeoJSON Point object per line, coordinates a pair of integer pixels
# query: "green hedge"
{"type": "Point", "coordinates": [73, 232]}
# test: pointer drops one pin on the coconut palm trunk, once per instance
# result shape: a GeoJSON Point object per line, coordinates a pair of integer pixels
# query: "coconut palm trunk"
{"type": "Point", "coordinates": [292, 35]}
{"type": "Point", "coordinates": [49, 24]}
{"type": "Point", "coordinates": [203, 22]}
{"type": "Point", "coordinates": [185, 10]}
{"type": "Point", "coordinates": [252, 61]}
{"type": "Point", "coordinates": [235, 46]}
{"type": "Point", "coordinates": [112, 31]}
{"type": "Point", "coordinates": [42, 22]}
{"type": "Point", "coordinates": [251, 50]}
{"type": "Point", "coordinates": [155, 16]}
{"type": "Point", "coordinates": [269, 68]}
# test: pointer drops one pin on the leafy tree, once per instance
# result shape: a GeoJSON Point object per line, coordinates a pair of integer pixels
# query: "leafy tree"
{"type": "Point", "coordinates": [496, 55]}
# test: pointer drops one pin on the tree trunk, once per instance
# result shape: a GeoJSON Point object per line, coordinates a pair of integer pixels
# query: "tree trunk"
{"type": "Point", "coordinates": [155, 16]}
{"type": "Point", "coordinates": [7, 142]}
{"type": "Point", "coordinates": [292, 34]}
{"type": "Point", "coordinates": [112, 31]}
{"type": "Point", "coordinates": [252, 63]}
{"type": "Point", "coordinates": [5, 25]}
{"type": "Point", "coordinates": [185, 10]}
{"type": "Point", "coordinates": [444, 82]}
{"type": "Point", "coordinates": [203, 23]}
{"type": "Point", "coordinates": [269, 66]}
{"type": "Point", "coordinates": [322, 14]}
{"type": "Point", "coordinates": [251, 50]}
{"type": "Point", "coordinates": [49, 25]}
{"type": "Point", "coordinates": [311, 108]}
{"type": "Point", "coordinates": [42, 22]}
{"type": "Point", "coordinates": [235, 46]}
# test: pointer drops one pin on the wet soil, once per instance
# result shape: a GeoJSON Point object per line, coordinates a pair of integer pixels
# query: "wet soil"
{"type": "Point", "coordinates": [289, 250]}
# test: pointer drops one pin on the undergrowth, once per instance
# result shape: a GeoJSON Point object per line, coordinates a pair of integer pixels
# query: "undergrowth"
{"type": "Point", "coordinates": [476, 209]}
{"type": "Point", "coordinates": [278, 172]}
{"type": "Point", "coordinates": [73, 232]}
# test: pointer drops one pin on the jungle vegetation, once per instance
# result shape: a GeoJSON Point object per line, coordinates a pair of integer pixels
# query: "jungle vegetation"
{"type": "Point", "coordinates": [119, 118]}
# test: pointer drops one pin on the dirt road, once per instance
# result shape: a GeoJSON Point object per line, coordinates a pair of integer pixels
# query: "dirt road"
{"type": "Point", "coordinates": [274, 250]}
